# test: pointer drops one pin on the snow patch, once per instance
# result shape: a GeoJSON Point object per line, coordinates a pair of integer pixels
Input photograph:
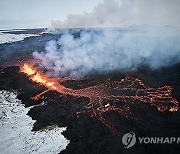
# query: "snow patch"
{"type": "Point", "coordinates": [9, 38]}
{"type": "Point", "coordinates": [15, 130]}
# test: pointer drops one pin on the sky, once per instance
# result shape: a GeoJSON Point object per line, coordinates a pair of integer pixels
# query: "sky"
{"type": "Point", "coordinates": [88, 13]}
{"type": "Point", "coordinates": [40, 13]}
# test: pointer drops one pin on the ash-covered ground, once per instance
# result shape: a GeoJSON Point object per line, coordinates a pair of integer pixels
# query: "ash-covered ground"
{"type": "Point", "coordinates": [88, 134]}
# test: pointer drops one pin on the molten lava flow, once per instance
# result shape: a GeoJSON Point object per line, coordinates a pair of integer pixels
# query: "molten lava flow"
{"type": "Point", "coordinates": [39, 95]}
{"type": "Point", "coordinates": [28, 70]}
{"type": "Point", "coordinates": [117, 96]}
{"type": "Point", "coordinates": [38, 77]}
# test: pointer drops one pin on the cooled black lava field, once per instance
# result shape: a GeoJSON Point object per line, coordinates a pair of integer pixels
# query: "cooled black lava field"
{"type": "Point", "coordinates": [91, 129]}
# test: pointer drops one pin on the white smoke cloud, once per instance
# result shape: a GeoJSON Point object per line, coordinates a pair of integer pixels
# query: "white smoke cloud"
{"type": "Point", "coordinates": [110, 50]}
{"type": "Point", "coordinates": [122, 13]}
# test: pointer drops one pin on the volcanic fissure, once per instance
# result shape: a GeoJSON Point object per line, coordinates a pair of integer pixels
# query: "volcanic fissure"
{"type": "Point", "coordinates": [108, 96]}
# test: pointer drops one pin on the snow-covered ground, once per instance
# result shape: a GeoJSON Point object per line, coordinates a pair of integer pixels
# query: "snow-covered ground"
{"type": "Point", "coordinates": [8, 38]}
{"type": "Point", "coordinates": [16, 136]}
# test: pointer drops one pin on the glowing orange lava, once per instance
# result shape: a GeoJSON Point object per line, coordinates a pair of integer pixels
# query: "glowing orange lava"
{"type": "Point", "coordinates": [28, 70]}
{"type": "Point", "coordinates": [38, 77]}
{"type": "Point", "coordinates": [117, 96]}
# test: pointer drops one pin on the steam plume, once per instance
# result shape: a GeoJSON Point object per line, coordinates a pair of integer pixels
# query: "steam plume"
{"type": "Point", "coordinates": [110, 50]}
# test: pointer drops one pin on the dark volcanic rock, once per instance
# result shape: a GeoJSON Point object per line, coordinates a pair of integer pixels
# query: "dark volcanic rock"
{"type": "Point", "coordinates": [89, 135]}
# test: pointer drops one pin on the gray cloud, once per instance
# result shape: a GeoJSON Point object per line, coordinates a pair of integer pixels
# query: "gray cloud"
{"type": "Point", "coordinates": [118, 13]}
